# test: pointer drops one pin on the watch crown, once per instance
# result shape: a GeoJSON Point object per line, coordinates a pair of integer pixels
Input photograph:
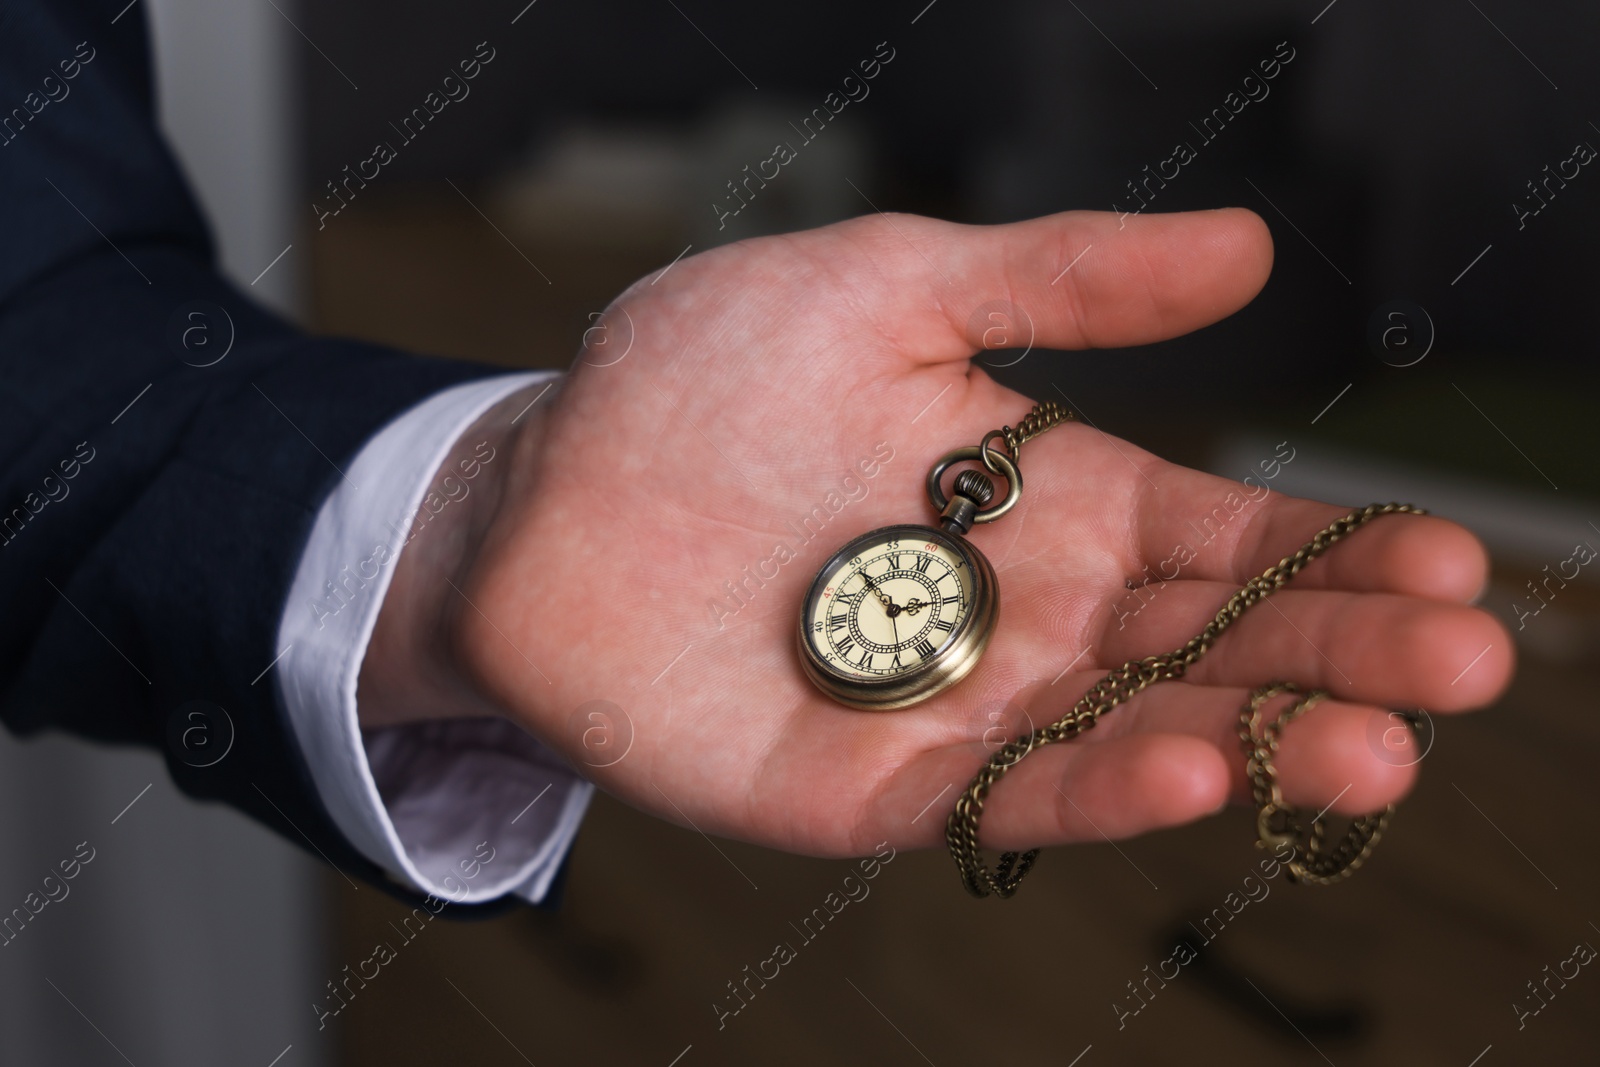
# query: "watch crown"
{"type": "Point", "coordinates": [975, 486]}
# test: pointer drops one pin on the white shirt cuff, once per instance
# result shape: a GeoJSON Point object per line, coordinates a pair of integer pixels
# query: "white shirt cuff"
{"type": "Point", "coordinates": [417, 800]}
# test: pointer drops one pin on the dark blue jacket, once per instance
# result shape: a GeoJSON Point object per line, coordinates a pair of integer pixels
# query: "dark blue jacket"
{"type": "Point", "coordinates": [146, 551]}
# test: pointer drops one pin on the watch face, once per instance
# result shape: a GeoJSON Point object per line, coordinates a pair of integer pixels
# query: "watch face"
{"type": "Point", "coordinates": [895, 605]}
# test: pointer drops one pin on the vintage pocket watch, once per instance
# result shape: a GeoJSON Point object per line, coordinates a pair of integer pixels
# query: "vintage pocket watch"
{"type": "Point", "coordinates": [904, 612]}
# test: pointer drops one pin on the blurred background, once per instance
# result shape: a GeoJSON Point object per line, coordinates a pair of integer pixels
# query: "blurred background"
{"type": "Point", "coordinates": [1426, 336]}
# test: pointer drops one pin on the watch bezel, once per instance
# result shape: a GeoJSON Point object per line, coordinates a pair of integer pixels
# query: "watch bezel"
{"type": "Point", "coordinates": [953, 661]}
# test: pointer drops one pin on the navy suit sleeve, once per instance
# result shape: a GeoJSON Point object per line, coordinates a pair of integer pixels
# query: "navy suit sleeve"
{"type": "Point", "coordinates": [152, 512]}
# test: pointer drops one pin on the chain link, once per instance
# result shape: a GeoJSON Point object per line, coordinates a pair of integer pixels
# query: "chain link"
{"type": "Point", "coordinates": [1318, 867]}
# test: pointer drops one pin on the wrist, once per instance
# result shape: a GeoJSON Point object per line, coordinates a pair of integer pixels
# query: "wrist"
{"type": "Point", "coordinates": [412, 669]}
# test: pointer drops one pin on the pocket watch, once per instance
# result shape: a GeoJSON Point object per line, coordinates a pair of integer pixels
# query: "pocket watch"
{"type": "Point", "coordinates": [904, 612]}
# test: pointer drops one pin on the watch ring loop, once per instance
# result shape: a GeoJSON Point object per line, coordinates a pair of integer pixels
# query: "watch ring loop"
{"type": "Point", "coordinates": [1007, 469]}
{"type": "Point", "coordinates": [988, 452]}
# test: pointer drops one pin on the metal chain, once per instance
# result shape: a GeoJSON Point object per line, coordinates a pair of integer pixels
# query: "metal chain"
{"type": "Point", "coordinates": [961, 829]}
{"type": "Point", "coordinates": [1045, 415]}
{"type": "Point", "coordinates": [1279, 823]}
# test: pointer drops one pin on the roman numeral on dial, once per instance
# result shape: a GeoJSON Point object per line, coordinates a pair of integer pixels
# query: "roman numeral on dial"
{"type": "Point", "coordinates": [943, 625]}
{"type": "Point", "coordinates": [924, 648]}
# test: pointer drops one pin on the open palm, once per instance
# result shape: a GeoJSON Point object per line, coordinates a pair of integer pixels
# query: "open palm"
{"type": "Point", "coordinates": [793, 391]}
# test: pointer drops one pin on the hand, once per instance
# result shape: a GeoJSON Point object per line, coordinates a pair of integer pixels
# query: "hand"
{"type": "Point", "coordinates": [789, 383]}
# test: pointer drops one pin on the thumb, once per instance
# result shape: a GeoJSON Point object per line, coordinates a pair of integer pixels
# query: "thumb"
{"type": "Point", "coordinates": [1078, 279]}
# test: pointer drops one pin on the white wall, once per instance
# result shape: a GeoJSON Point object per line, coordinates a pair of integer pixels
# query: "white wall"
{"type": "Point", "coordinates": [228, 103]}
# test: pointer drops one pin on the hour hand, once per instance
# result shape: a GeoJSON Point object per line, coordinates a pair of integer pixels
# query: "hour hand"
{"type": "Point", "coordinates": [883, 598]}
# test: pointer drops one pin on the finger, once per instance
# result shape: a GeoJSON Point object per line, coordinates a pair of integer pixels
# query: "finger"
{"type": "Point", "coordinates": [1059, 794]}
{"type": "Point", "coordinates": [1216, 529]}
{"type": "Point", "coordinates": [1132, 280]}
{"type": "Point", "coordinates": [1350, 758]}
{"type": "Point", "coordinates": [1391, 650]}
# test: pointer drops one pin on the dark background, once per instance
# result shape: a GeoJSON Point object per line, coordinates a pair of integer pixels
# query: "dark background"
{"type": "Point", "coordinates": [1392, 149]}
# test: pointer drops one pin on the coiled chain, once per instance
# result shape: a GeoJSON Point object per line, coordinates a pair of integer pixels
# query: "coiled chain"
{"type": "Point", "coordinates": [1277, 822]}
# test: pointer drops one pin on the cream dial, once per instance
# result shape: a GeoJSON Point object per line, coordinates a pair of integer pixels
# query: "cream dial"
{"type": "Point", "coordinates": [892, 607]}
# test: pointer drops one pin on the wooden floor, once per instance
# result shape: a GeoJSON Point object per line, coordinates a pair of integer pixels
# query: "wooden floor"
{"type": "Point", "coordinates": [1488, 874]}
